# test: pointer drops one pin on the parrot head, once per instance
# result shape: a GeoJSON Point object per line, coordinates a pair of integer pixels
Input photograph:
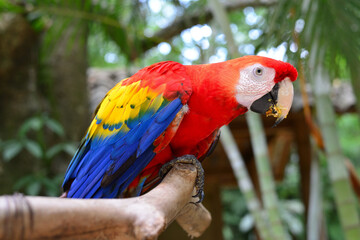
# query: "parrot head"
{"type": "Point", "coordinates": [265, 85]}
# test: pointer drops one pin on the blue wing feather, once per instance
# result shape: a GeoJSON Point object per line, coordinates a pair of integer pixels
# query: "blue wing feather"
{"type": "Point", "coordinates": [118, 159]}
{"type": "Point", "coordinates": [159, 125]}
{"type": "Point", "coordinates": [76, 162]}
{"type": "Point", "coordinates": [120, 141]}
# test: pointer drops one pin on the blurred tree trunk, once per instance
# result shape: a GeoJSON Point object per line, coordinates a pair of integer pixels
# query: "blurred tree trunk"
{"type": "Point", "coordinates": [246, 186]}
{"type": "Point", "coordinates": [64, 75]}
{"type": "Point", "coordinates": [267, 184]}
{"type": "Point", "coordinates": [258, 142]}
{"type": "Point", "coordinates": [355, 82]}
{"type": "Point", "coordinates": [315, 217]}
{"type": "Point", "coordinates": [53, 81]}
{"type": "Point", "coordinates": [18, 95]}
{"type": "Point", "coordinates": [346, 203]}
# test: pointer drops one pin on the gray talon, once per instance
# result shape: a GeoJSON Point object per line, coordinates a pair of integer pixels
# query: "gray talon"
{"type": "Point", "coordinates": [199, 182]}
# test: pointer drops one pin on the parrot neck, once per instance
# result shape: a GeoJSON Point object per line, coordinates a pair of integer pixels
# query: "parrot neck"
{"type": "Point", "coordinates": [211, 105]}
{"type": "Point", "coordinates": [214, 91]}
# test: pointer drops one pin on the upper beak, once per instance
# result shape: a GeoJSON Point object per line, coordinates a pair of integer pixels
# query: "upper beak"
{"type": "Point", "coordinates": [277, 102]}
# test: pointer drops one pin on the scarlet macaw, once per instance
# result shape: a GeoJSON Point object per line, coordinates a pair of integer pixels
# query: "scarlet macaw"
{"type": "Point", "coordinates": [168, 110]}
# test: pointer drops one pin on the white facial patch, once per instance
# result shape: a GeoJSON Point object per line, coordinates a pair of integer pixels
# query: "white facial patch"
{"type": "Point", "coordinates": [254, 82]}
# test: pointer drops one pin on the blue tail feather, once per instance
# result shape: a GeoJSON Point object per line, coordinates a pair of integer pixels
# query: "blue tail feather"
{"type": "Point", "coordinates": [80, 183]}
{"type": "Point", "coordinates": [132, 172]}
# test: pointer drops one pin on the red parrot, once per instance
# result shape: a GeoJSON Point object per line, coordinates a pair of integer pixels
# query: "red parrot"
{"type": "Point", "coordinates": [168, 110]}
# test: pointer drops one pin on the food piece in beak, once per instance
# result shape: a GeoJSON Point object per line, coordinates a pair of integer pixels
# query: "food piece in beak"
{"type": "Point", "coordinates": [277, 102]}
{"type": "Point", "coordinates": [285, 99]}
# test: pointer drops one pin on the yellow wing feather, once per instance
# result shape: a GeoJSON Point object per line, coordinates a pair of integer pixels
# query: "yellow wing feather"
{"type": "Point", "coordinates": [124, 104]}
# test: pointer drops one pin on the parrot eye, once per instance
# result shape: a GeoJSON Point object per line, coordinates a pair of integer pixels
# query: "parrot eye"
{"type": "Point", "coordinates": [258, 71]}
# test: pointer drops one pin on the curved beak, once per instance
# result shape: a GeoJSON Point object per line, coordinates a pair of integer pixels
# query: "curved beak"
{"type": "Point", "coordinates": [277, 102]}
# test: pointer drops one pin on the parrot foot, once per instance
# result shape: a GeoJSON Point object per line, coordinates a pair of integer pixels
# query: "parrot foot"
{"type": "Point", "coordinates": [199, 182]}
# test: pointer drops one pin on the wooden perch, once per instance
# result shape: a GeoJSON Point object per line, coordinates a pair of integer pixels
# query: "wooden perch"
{"type": "Point", "coordinates": [143, 217]}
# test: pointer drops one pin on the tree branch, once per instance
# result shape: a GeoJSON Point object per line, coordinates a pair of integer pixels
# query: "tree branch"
{"type": "Point", "coordinates": [143, 217]}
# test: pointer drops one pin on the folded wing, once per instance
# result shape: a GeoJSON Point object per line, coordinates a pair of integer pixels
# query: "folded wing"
{"type": "Point", "coordinates": [120, 141]}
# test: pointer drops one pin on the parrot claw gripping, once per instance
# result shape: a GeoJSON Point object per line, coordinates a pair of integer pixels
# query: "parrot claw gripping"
{"type": "Point", "coordinates": [199, 182]}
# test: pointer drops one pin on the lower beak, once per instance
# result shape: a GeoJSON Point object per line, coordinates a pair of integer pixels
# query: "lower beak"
{"type": "Point", "coordinates": [277, 102]}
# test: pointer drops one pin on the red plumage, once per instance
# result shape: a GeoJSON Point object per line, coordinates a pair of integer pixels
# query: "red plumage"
{"type": "Point", "coordinates": [165, 111]}
{"type": "Point", "coordinates": [211, 105]}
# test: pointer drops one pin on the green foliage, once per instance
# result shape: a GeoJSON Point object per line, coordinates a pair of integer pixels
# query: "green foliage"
{"type": "Point", "coordinates": [239, 223]}
{"type": "Point", "coordinates": [35, 18]}
{"type": "Point", "coordinates": [31, 137]}
{"type": "Point", "coordinates": [11, 149]}
{"type": "Point", "coordinates": [349, 133]}
{"type": "Point", "coordinates": [299, 23]}
{"type": "Point", "coordinates": [36, 184]}
{"type": "Point", "coordinates": [8, 6]}
{"type": "Point", "coordinates": [288, 188]}
{"type": "Point", "coordinates": [99, 46]}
